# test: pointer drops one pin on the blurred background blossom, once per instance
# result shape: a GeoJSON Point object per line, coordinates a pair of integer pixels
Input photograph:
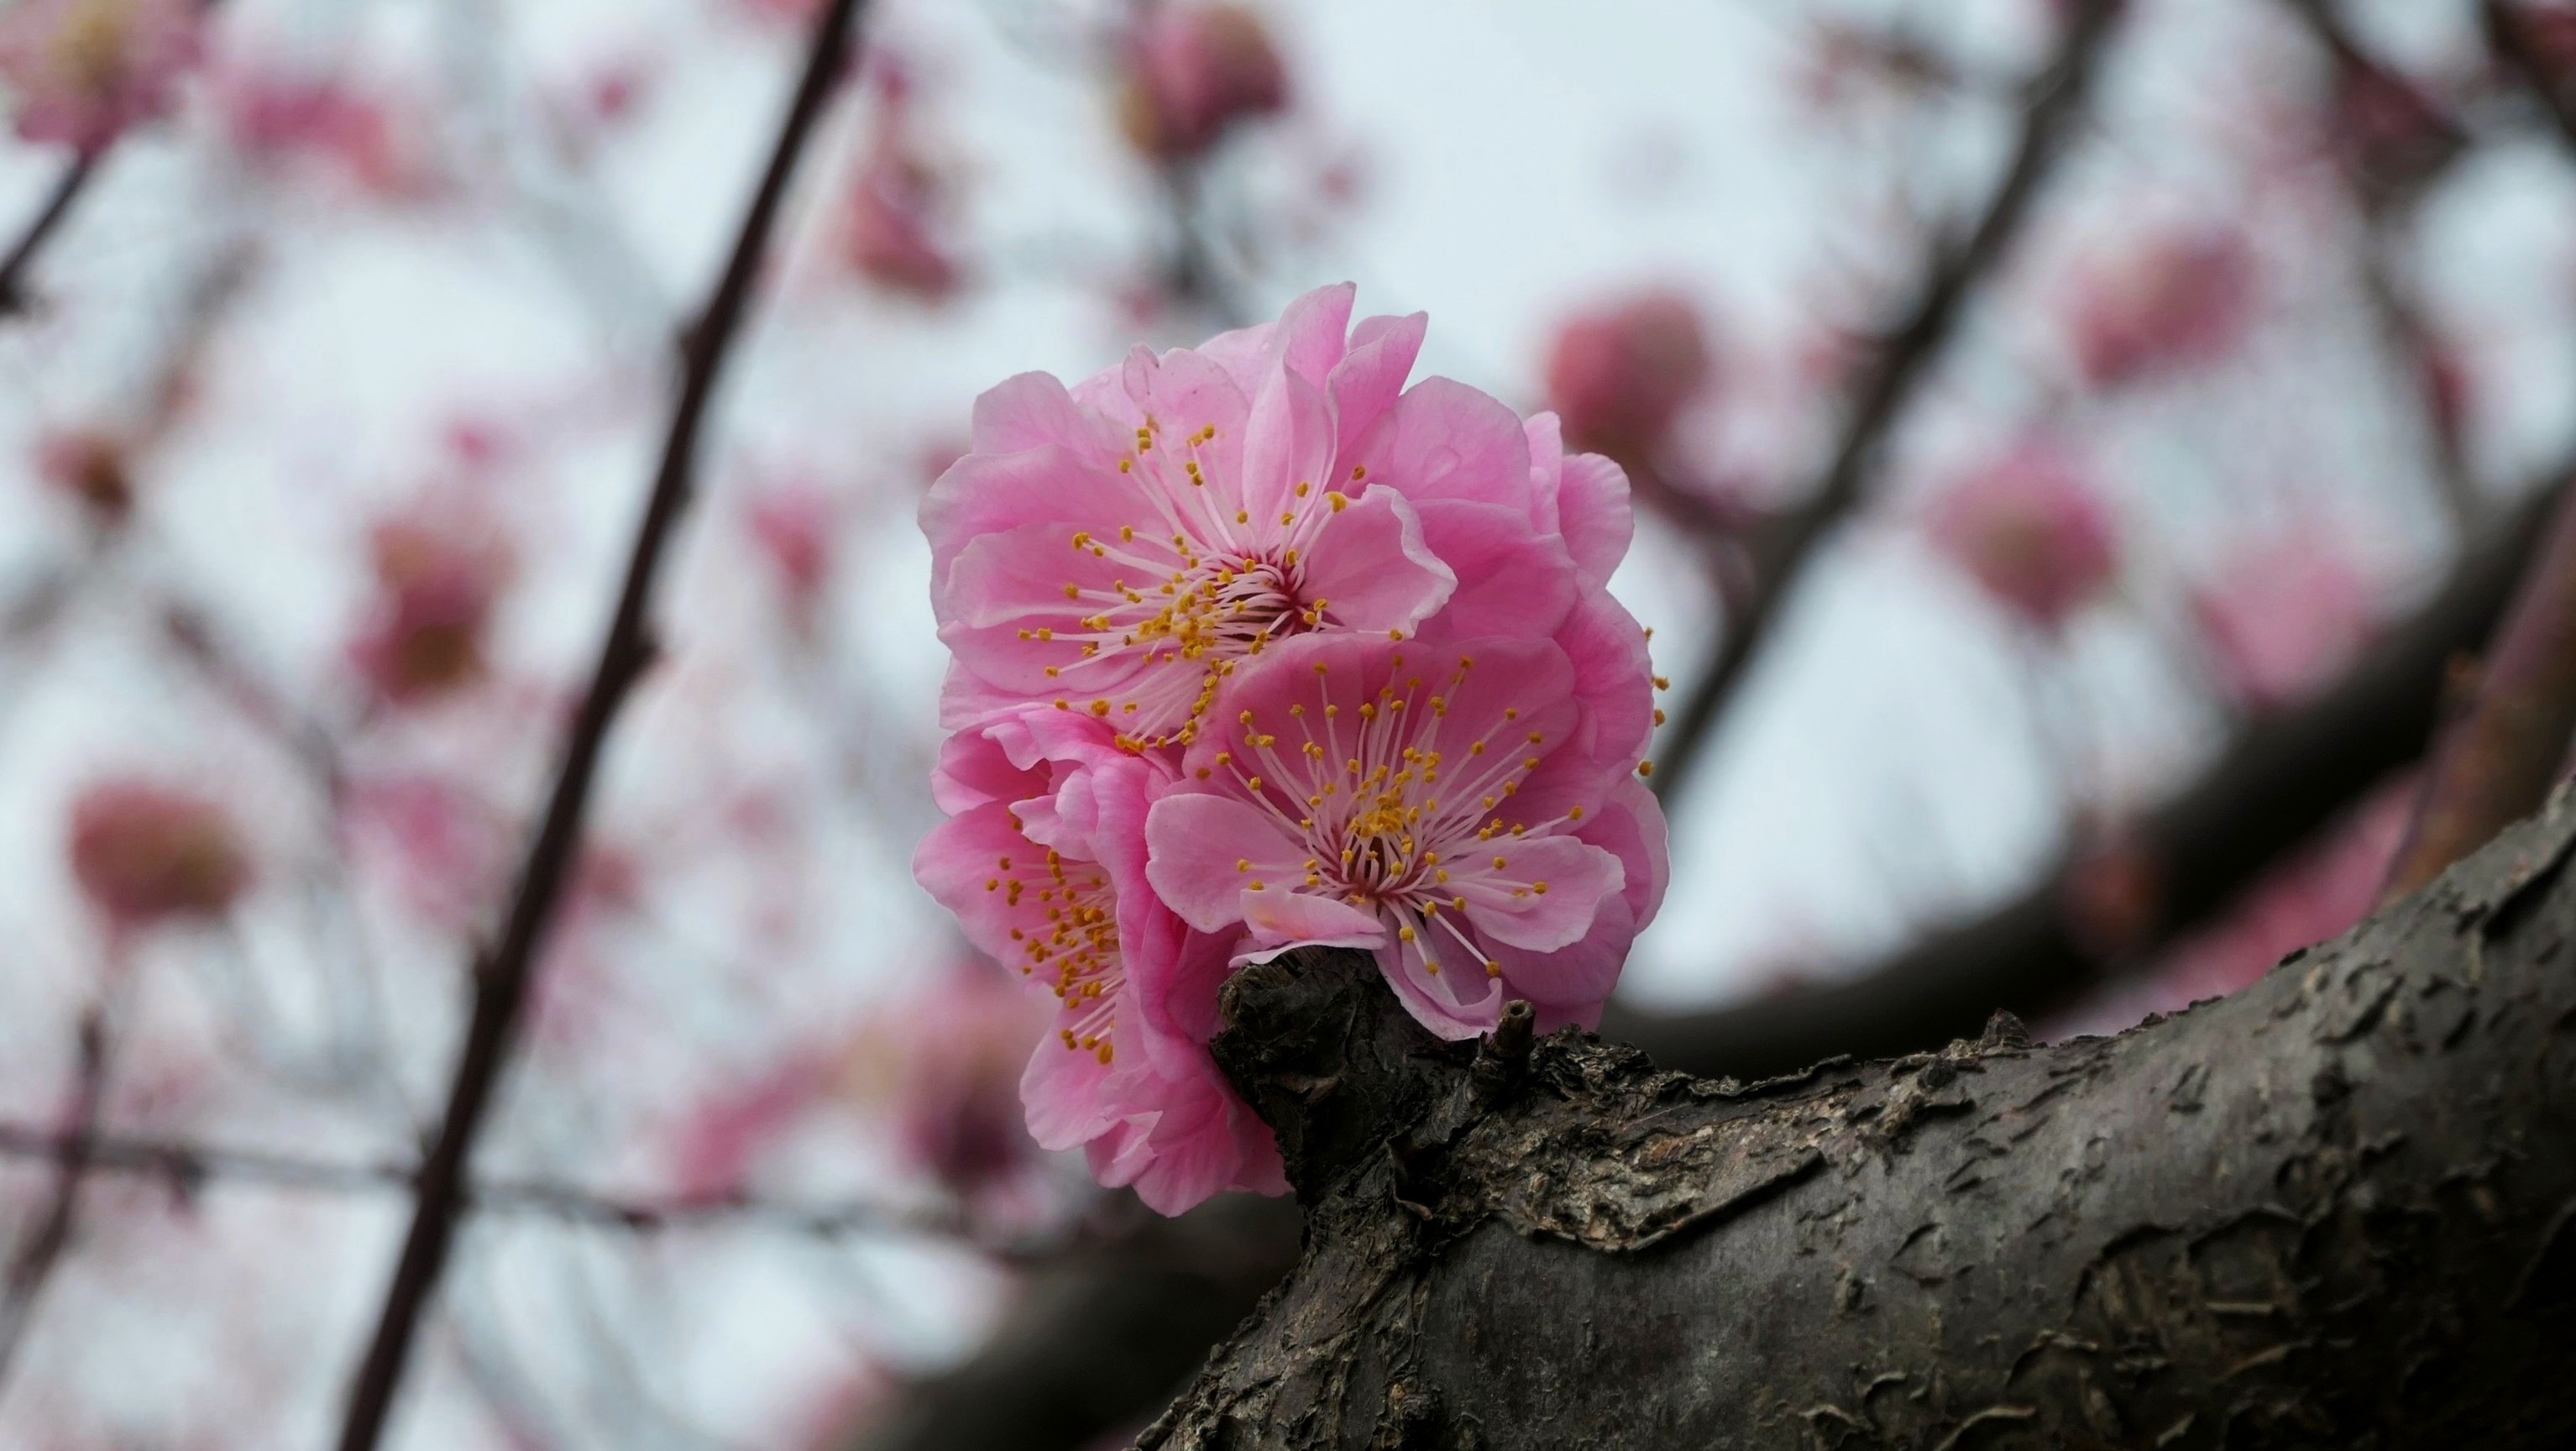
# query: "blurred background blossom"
{"type": "Point", "coordinates": [337, 361]}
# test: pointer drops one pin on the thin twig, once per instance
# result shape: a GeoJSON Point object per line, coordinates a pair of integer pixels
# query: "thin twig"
{"type": "Point", "coordinates": [187, 1167]}
{"type": "Point", "coordinates": [502, 975]}
{"type": "Point", "coordinates": [2285, 777]}
{"type": "Point", "coordinates": [40, 229]}
{"type": "Point", "coordinates": [2494, 763]}
{"type": "Point", "coordinates": [2405, 336]}
{"type": "Point", "coordinates": [1784, 551]}
{"type": "Point", "coordinates": [34, 1263]}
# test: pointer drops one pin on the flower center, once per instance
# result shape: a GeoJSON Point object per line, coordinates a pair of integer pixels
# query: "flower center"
{"type": "Point", "coordinates": [1077, 953]}
{"type": "Point", "coordinates": [89, 49]}
{"type": "Point", "coordinates": [1203, 580]}
{"type": "Point", "coordinates": [1397, 824]}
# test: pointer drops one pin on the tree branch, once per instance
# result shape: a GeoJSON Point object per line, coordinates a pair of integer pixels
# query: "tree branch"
{"type": "Point", "coordinates": [2337, 1209]}
{"type": "Point", "coordinates": [1783, 550]}
{"type": "Point", "coordinates": [2495, 762]}
{"type": "Point", "coordinates": [1102, 1336]}
{"type": "Point", "coordinates": [57, 207]}
{"type": "Point", "coordinates": [42, 1250]}
{"type": "Point", "coordinates": [2285, 777]}
{"type": "Point", "coordinates": [501, 976]}
{"type": "Point", "coordinates": [187, 1167]}
{"type": "Point", "coordinates": [2404, 334]}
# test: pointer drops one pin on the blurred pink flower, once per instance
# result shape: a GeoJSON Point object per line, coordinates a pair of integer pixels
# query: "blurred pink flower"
{"type": "Point", "coordinates": [448, 848]}
{"type": "Point", "coordinates": [896, 198]}
{"type": "Point", "coordinates": [778, 12]}
{"type": "Point", "coordinates": [89, 466]}
{"type": "Point", "coordinates": [276, 117]}
{"type": "Point", "coordinates": [439, 577]}
{"type": "Point", "coordinates": [2283, 617]}
{"type": "Point", "coordinates": [1120, 548]}
{"type": "Point", "coordinates": [793, 523]}
{"type": "Point", "coordinates": [2029, 530]}
{"type": "Point", "coordinates": [1193, 72]}
{"type": "Point", "coordinates": [1620, 374]}
{"type": "Point", "coordinates": [2172, 301]}
{"type": "Point", "coordinates": [82, 71]}
{"type": "Point", "coordinates": [145, 852]}
{"type": "Point", "coordinates": [1476, 875]}
{"type": "Point", "coordinates": [964, 1042]}
{"type": "Point", "coordinates": [716, 1144]}
{"type": "Point", "coordinates": [1044, 865]}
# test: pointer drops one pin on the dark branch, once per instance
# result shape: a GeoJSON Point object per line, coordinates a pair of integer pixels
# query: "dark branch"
{"type": "Point", "coordinates": [2337, 1209]}
{"type": "Point", "coordinates": [37, 1256]}
{"type": "Point", "coordinates": [2406, 337]}
{"type": "Point", "coordinates": [187, 1167]}
{"type": "Point", "coordinates": [2494, 763]}
{"type": "Point", "coordinates": [501, 975]}
{"type": "Point", "coordinates": [2510, 35]}
{"type": "Point", "coordinates": [1102, 1336]}
{"type": "Point", "coordinates": [2286, 777]}
{"type": "Point", "coordinates": [21, 259]}
{"type": "Point", "coordinates": [1783, 549]}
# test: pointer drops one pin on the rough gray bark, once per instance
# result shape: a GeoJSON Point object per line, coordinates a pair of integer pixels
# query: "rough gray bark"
{"type": "Point", "coordinates": [2337, 1209]}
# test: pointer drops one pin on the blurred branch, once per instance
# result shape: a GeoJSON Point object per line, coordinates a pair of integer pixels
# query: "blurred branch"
{"type": "Point", "coordinates": [2387, 196]}
{"type": "Point", "coordinates": [2493, 764]}
{"type": "Point", "coordinates": [501, 976]}
{"type": "Point", "coordinates": [2285, 777]}
{"type": "Point", "coordinates": [33, 1265]}
{"type": "Point", "coordinates": [1784, 549]}
{"type": "Point", "coordinates": [1102, 1337]}
{"type": "Point", "coordinates": [188, 1167]}
{"type": "Point", "coordinates": [2509, 34]}
{"type": "Point", "coordinates": [57, 207]}
{"type": "Point", "coordinates": [1190, 272]}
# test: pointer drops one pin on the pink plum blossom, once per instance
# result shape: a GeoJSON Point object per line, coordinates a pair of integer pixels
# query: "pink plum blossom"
{"type": "Point", "coordinates": [92, 467]}
{"type": "Point", "coordinates": [81, 71]}
{"type": "Point", "coordinates": [894, 227]}
{"type": "Point", "coordinates": [439, 577]}
{"type": "Point", "coordinates": [1193, 72]}
{"type": "Point", "coordinates": [277, 117]}
{"type": "Point", "coordinates": [720, 1139]}
{"type": "Point", "coordinates": [2176, 300]}
{"type": "Point", "coordinates": [1120, 548]}
{"type": "Point", "coordinates": [146, 852]}
{"type": "Point", "coordinates": [1448, 807]}
{"type": "Point", "coordinates": [2029, 530]}
{"type": "Point", "coordinates": [2282, 618]}
{"type": "Point", "coordinates": [445, 850]}
{"type": "Point", "coordinates": [1619, 375]}
{"type": "Point", "coordinates": [964, 1042]}
{"type": "Point", "coordinates": [793, 524]}
{"type": "Point", "coordinates": [1044, 865]}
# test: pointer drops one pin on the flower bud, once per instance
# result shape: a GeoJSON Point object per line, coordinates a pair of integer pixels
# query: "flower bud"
{"type": "Point", "coordinates": [1193, 72]}
{"type": "Point", "coordinates": [145, 853]}
{"type": "Point", "coordinates": [2030, 531]}
{"type": "Point", "coordinates": [1619, 376]}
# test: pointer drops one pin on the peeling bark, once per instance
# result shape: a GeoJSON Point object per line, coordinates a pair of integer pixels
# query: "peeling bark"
{"type": "Point", "coordinates": [2337, 1209]}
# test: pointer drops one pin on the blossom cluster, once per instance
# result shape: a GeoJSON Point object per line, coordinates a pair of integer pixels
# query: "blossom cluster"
{"type": "Point", "coordinates": [1256, 647]}
{"type": "Point", "coordinates": [81, 71]}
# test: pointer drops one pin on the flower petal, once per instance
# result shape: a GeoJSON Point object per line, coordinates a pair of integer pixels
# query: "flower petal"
{"type": "Point", "coordinates": [1202, 851]}
{"type": "Point", "coordinates": [1545, 894]}
{"type": "Point", "coordinates": [1373, 568]}
{"type": "Point", "coordinates": [1512, 580]}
